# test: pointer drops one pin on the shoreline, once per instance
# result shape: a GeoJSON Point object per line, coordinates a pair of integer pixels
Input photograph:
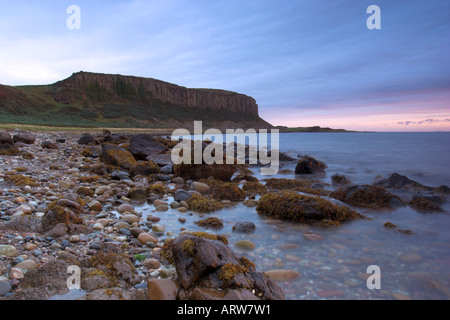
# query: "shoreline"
{"type": "Point", "coordinates": [109, 203]}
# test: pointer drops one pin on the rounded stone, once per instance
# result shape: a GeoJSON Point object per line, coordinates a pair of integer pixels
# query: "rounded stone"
{"type": "Point", "coordinates": [125, 207]}
{"type": "Point", "coordinates": [130, 218]}
{"type": "Point", "coordinates": [144, 237]}
{"type": "Point", "coordinates": [282, 275]}
{"type": "Point", "coordinates": [245, 244]}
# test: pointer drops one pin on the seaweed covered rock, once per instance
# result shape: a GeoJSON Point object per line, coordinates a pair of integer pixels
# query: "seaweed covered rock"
{"type": "Point", "coordinates": [210, 223]}
{"type": "Point", "coordinates": [367, 196]}
{"type": "Point", "coordinates": [144, 168]}
{"type": "Point", "coordinates": [427, 202]}
{"type": "Point", "coordinates": [117, 156]}
{"type": "Point", "coordinates": [309, 165]}
{"type": "Point", "coordinates": [305, 209]}
{"type": "Point", "coordinates": [252, 188]}
{"type": "Point", "coordinates": [222, 172]}
{"type": "Point", "coordinates": [87, 138]}
{"type": "Point", "coordinates": [229, 191]}
{"type": "Point", "coordinates": [209, 269]}
{"type": "Point", "coordinates": [202, 204]}
{"type": "Point", "coordinates": [61, 211]}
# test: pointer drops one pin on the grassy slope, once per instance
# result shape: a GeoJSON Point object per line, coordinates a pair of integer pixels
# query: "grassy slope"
{"type": "Point", "coordinates": [94, 107]}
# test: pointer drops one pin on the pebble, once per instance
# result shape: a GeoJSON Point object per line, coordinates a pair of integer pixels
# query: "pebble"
{"type": "Point", "coordinates": [282, 275]}
{"type": "Point", "coordinates": [16, 273]}
{"type": "Point", "coordinates": [410, 257]}
{"type": "Point", "coordinates": [157, 228]}
{"type": "Point", "coordinates": [8, 250]}
{"type": "Point", "coordinates": [311, 236]}
{"type": "Point", "coordinates": [162, 207]}
{"type": "Point", "coordinates": [245, 244]}
{"type": "Point", "coordinates": [125, 208]}
{"type": "Point", "coordinates": [144, 238]}
{"type": "Point", "coordinates": [5, 287]}
{"type": "Point", "coordinates": [130, 218]}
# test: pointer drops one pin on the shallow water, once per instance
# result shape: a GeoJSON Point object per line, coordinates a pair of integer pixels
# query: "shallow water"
{"type": "Point", "coordinates": [413, 266]}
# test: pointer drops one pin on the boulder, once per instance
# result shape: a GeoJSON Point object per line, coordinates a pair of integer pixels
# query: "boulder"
{"type": "Point", "coordinates": [87, 138]}
{"type": "Point", "coordinates": [309, 165]}
{"type": "Point", "coordinates": [209, 266]}
{"type": "Point", "coordinates": [244, 227]}
{"type": "Point", "coordinates": [398, 181]}
{"type": "Point", "coordinates": [374, 197]}
{"type": "Point", "coordinates": [7, 146]}
{"type": "Point", "coordinates": [290, 205]}
{"type": "Point", "coordinates": [24, 137]}
{"type": "Point", "coordinates": [144, 145]}
{"type": "Point", "coordinates": [117, 156]}
{"type": "Point", "coordinates": [339, 180]}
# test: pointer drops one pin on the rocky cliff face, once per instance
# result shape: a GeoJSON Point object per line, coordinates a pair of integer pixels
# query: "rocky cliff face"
{"type": "Point", "coordinates": [166, 92]}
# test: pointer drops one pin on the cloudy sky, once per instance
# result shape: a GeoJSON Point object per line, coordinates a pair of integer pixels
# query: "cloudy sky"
{"type": "Point", "coordinates": [306, 62]}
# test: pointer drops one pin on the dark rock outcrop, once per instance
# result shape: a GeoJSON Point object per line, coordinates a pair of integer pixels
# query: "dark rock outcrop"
{"type": "Point", "coordinates": [209, 269]}
{"type": "Point", "coordinates": [309, 165]}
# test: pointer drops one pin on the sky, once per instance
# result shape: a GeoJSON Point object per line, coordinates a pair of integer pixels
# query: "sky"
{"type": "Point", "coordinates": [306, 62]}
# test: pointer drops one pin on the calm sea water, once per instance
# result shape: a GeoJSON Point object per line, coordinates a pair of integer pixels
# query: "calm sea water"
{"type": "Point", "coordinates": [413, 266]}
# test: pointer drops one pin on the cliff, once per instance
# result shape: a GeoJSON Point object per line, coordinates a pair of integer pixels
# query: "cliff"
{"type": "Point", "coordinates": [165, 92]}
{"type": "Point", "coordinates": [94, 99]}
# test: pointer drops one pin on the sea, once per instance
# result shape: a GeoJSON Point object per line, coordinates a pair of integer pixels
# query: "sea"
{"type": "Point", "coordinates": [347, 259]}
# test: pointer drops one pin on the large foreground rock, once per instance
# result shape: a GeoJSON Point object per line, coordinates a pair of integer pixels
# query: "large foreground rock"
{"type": "Point", "coordinates": [208, 269]}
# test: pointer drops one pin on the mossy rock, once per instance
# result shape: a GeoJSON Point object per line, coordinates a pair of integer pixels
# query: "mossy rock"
{"type": "Point", "coordinates": [254, 188]}
{"type": "Point", "coordinates": [144, 168]}
{"type": "Point", "coordinates": [210, 223]}
{"type": "Point", "coordinates": [367, 196]}
{"type": "Point", "coordinates": [202, 204]}
{"type": "Point", "coordinates": [229, 191]}
{"type": "Point", "coordinates": [117, 156]}
{"type": "Point", "coordinates": [304, 209]}
{"type": "Point", "coordinates": [20, 180]}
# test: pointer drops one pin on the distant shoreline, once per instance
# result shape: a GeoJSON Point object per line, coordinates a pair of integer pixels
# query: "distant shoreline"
{"type": "Point", "coordinates": [284, 129]}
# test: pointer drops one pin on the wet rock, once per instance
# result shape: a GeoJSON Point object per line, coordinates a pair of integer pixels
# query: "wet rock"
{"type": "Point", "coordinates": [311, 236]}
{"type": "Point", "coordinates": [309, 165]}
{"type": "Point", "coordinates": [210, 266]}
{"type": "Point", "coordinates": [181, 195]}
{"type": "Point", "coordinates": [398, 181]}
{"type": "Point", "coordinates": [5, 287]}
{"type": "Point", "coordinates": [427, 202]}
{"type": "Point", "coordinates": [244, 227]}
{"type": "Point", "coordinates": [203, 188]}
{"type": "Point", "coordinates": [339, 180]}
{"type": "Point", "coordinates": [162, 289]}
{"type": "Point", "coordinates": [197, 172]}
{"type": "Point", "coordinates": [374, 197]}
{"type": "Point", "coordinates": [210, 223]}
{"type": "Point", "coordinates": [125, 207]}
{"type": "Point", "coordinates": [305, 209]}
{"type": "Point", "coordinates": [245, 244]}
{"type": "Point", "coordinates": [282, 275]}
